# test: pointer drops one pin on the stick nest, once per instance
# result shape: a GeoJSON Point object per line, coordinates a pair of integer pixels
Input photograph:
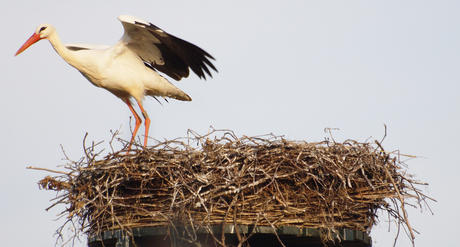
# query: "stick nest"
{"type": "Point", "coordinates": [259, 181]}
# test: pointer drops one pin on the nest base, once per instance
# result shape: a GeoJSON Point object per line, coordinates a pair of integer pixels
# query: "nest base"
{"type": "Point", "coordinates": [263, 236]}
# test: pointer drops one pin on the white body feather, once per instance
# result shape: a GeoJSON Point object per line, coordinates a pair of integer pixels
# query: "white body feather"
{"type": "Point", "coordinates": [117, 68]}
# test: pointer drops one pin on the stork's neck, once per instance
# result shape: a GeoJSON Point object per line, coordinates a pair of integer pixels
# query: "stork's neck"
{"type": "Point", "coordinates": [65, 53]}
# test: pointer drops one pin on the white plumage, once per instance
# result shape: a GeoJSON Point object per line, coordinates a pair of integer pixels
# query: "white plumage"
{"type": "Point", "coordinates": [128, 68]}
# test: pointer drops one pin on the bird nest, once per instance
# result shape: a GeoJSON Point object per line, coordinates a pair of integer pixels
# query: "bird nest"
{"type": "Point", "coordinates": [203, 181]}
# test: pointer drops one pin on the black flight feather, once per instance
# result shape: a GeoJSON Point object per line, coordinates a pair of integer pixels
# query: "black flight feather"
{"type": "Point", "coordinates": [180, 55]}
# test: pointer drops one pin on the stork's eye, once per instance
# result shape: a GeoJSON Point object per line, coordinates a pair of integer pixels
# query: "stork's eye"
{"type": "Point", "coordinates": [42, 29]}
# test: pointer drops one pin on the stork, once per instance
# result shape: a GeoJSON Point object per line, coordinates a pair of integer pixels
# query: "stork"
{"type": "Point", "coordinates": [129, 68]}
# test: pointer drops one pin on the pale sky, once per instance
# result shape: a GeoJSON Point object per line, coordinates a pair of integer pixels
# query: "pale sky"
{"type": "Point", "coordinates": [289, 68]}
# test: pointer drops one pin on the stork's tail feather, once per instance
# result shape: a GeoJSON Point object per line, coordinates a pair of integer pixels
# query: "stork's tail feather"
{"type": "Point", "coordinates": [180, 96]}
{"type": "Point", "coordinates": [174, 92]}
{"type": "Point", "coordinates": [177, 94]}
{"type": "Point", "coordinates": [168, 90]}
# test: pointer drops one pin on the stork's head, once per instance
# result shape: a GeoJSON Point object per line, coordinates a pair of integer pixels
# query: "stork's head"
{"type": "Point", "coordinates": [42, 32]}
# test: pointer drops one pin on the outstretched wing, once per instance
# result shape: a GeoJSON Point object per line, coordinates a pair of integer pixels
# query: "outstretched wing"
{"type": "Point", "coordinates": [165, 52]}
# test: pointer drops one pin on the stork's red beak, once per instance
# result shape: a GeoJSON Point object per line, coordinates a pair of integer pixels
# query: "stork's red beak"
{"type": "Point", "coordinates": [32, 40]}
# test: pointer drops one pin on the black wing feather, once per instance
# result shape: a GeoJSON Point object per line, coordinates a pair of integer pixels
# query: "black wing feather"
{"type": "Point", "coordinates": [76, 48]}
{"type": "Point", "coordinates": [180, 55]}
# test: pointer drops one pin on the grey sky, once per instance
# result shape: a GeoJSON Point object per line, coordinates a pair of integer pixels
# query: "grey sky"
{"type": "Point", "coordinates": [287, 68]}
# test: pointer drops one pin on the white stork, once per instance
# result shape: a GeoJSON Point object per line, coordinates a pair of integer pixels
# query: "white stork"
{"type": "Point", "coordinates": [128, 69]}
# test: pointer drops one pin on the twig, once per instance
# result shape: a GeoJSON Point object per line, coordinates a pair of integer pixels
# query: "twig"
{"type": "Point", "coordinates": [49, 170]}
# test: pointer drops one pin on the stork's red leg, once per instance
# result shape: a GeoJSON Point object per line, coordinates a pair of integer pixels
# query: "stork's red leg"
{"type": "Point", "coordinates": [147, 124]}
{"type": "Point", "coordinates": [138, 122]}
